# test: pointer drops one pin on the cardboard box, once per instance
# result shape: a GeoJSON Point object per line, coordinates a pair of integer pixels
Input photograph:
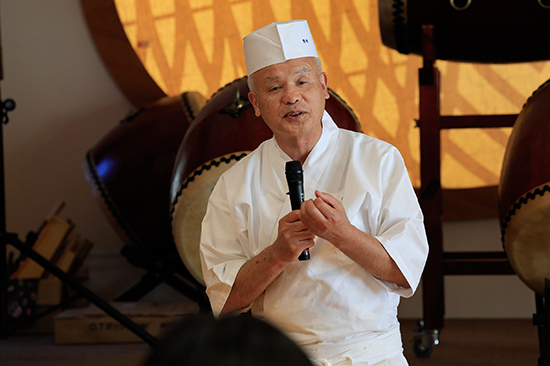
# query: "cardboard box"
{"type": "Point", "coordinates": [92, 325]}
{"type": "Point", "coordinates": [41, 326]}
{"type": "Point", "coordinates": [51, 291]}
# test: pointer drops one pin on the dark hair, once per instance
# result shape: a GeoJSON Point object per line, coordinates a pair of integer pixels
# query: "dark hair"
{"type": "Point", "coordinates": [202, 340]}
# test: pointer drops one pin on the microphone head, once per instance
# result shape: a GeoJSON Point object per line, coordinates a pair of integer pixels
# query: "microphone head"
{"type": "Point", "coordinates": [293, 171]}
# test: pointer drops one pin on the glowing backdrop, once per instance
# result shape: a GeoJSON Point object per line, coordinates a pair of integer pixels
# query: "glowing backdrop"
{"type": "Point", "coordinates": [196, 45]}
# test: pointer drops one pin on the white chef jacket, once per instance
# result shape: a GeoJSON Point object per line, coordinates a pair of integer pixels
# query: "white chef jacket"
{"type": "Point", "coordinates": [329, 298]}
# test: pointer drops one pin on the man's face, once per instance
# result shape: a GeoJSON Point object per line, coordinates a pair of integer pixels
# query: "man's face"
{"type": "Point", "coordinates": [290, 97]}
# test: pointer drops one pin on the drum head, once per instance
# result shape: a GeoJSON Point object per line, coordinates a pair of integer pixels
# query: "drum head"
{"type": "Point", "coordinates": [528, 238]}
{"type": "Point", "coordinates": [187, 217]}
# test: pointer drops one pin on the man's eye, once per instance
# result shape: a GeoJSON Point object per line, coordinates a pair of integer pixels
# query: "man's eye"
{"type": "Point", "coordinates": [274, 88]}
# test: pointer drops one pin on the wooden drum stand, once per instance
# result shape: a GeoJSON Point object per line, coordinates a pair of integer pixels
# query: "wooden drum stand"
{"type": "Point", "coordinates": [439, 263]}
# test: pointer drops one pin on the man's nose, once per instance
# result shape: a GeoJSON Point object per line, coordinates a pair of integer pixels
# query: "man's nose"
{"type": "Point", "coordinates": [291, 95]}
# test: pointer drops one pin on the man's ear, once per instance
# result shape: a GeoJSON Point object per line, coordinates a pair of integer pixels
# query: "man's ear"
{"type": "Point", "coordinates": [254, 101]}
{"type": "Point", "coordinates": [323, 78]}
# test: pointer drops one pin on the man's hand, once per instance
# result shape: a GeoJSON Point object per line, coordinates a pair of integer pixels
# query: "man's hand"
{"type": "Point", "coordinates": [259, 272]}
{"type": "Point", "coordinates": [293, 237]}
{"type": "Point", "coordinates": [325, 217]}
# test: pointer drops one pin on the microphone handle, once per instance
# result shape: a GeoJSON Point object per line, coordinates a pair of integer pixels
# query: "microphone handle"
{"type": "Point", "coordinates": [296, 192]}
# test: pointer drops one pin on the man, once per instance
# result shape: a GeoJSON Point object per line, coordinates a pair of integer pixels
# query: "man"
{"type": "Point", "coordinates": [361, 218]}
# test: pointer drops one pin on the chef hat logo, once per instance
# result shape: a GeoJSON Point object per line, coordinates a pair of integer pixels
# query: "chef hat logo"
{"type": "Point", "coordinates": [276, 43]}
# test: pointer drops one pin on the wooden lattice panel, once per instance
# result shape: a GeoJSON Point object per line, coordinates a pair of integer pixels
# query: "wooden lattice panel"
{"type": "Point", "coordinates": [197, 45]}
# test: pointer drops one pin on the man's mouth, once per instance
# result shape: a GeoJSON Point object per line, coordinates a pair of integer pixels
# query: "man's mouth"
{"type": "Point", "coordinates": [294, 114]}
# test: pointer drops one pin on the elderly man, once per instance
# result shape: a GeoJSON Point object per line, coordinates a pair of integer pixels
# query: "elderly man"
{"type": "Point", "coordinates": [361, 218]}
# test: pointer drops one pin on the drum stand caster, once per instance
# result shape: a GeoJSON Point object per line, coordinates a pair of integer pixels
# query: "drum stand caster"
{"type": "Point", "coordinates": [542, 320]}
{"type": "Point", "coordinates": [424, 340]}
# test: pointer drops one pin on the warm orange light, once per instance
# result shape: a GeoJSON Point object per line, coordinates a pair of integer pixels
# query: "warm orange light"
{"type": "Point", "coordinates": [195, 45]}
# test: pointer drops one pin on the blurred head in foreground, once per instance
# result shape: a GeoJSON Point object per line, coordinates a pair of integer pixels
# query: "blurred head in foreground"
{"type": "Point", "coordinates": [203, 340]}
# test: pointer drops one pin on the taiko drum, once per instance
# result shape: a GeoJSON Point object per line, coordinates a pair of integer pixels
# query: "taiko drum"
{"type": "Point", "coordinates": [130, 169]}
{"type": "Point", "coordinates": [524, 192]}
{"type": "Point", "coordinates": [490, 31]}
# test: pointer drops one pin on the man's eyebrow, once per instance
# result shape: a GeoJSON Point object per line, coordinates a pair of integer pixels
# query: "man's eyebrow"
{"type": "Point", "coordinates": [270, 79]}
{"type": "Point", "coordinates": [302, 70]}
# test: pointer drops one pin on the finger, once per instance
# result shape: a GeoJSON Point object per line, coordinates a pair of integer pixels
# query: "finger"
{"type": "Point", "coordinates": [310, 212]}
{"type": "Point", "coordinates": [324, 207]}
{"type": "Point", "coordinates": [291, 217]}
{"type": "Point", "coordinates": [298, 241]}
{"type": "Point", "coordinates": [305, 236]}
{"type": "Point", "coordinates": [328, 198]}
{"type": "Point", "coordinates": [298, 226]}
{"type": "Point", "coordinates": [326, 211]}
{"type": "Point", "coordinates": [305, 242]}
{"type": "Point", "coordinates": [313, 219]}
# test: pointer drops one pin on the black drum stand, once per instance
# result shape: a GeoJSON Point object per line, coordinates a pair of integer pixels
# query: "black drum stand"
{"type": "Point", "coordinates": [26, 248]}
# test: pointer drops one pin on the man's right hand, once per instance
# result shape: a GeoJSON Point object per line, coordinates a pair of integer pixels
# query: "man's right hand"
{"type": "Point", "coordinates": [293, 237]}
{"type": "Point", "coordinates": [258, 273]}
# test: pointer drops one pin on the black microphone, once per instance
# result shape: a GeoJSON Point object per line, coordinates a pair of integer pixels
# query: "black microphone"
{"type": "Point", "coordinates": [295, 180]}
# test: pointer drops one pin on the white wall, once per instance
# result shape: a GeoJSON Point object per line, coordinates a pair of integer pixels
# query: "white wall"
{"type": "Point", "coordinates": [489, 296]}
{"type": "Point", "coordinates": [67, 101]}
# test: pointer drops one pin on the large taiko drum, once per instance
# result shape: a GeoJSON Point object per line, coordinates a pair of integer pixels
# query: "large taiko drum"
{"type": "Point", "coordinates": [224, 131]}
{"type": "Point", "coordinates": [129, 171]}
{"type": "Point", "coordinates": [524, 192]}
{"type": "Point", "coordinates": [490, 31]}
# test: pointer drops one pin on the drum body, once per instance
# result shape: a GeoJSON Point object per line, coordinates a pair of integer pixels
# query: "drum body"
{"type": "Point", "coordinates": [225, 130]}
{"type": "Point", "coordinates": [130, 169]}
{"type": "Point", "coordinates": [524, 192]}
{"type": "Point", "coordinates": [485, 31]}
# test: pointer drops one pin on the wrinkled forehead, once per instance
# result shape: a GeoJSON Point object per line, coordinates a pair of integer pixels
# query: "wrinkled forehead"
{"type": "Point", "coordinates": [289, 68]}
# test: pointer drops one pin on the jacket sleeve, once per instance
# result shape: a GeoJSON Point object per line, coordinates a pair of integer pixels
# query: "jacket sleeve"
{"type": "Point", "coordinates": [401, 224]}
{"type": "Point", "coordinates": [221, 247]}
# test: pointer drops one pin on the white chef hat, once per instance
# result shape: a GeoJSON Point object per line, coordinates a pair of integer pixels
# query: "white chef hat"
{"type": "Point", "coordinates": [277, 42]}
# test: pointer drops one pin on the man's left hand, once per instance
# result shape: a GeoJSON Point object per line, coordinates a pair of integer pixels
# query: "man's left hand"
{"type": "Point", "coordinates": [325, 217]}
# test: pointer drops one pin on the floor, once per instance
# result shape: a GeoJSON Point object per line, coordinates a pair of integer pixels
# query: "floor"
{"type": "Point", "coordinates": [479, 342]}
{"type": "Point", "coordinates": [510, 342]}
